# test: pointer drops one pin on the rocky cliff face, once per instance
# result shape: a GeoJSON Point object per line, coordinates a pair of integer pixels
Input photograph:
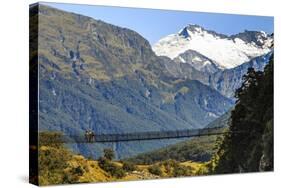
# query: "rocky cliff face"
{"type": "Point", "coordinates": [224, 81]}
{"type": "Point", "coordinates": [198, 61]}
{"type": "Point", "coordinates": [98, 76]}
{"type": "Point", "coordinates": [227, 81]}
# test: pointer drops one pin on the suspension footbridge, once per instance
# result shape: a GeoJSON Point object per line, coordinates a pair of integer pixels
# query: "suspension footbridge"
{"type": "Point", "coordinates": [135, 136]}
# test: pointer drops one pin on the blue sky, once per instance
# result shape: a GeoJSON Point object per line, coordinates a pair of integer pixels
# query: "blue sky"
{"type": "Point", "coordinates": [154, 24]}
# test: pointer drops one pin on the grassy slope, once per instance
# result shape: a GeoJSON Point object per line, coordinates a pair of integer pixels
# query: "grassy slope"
{"type": "Point", "coordinates": [58, 165]}
{"type": "Point", "coordinates": [89, 170]}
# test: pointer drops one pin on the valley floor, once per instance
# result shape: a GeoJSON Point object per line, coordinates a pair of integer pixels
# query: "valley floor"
{"type": "Point", "coordinates": [94, 173]}
{"type": "Point", "coordinates": [58, 165]}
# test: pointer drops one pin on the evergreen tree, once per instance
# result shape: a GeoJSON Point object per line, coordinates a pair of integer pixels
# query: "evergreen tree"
{"type": "Point", "coordinates": [247, 147]}
{"type": "Point", "coordinates": [109, 153]}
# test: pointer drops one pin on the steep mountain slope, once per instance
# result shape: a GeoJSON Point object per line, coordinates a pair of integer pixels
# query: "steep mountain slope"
{"type": "Point", "coordinates": [225, 51]}
{"type": "Point", "coordinates": [224, 81]}
{"type": "Point", "coordinates": [227, 81]}
{"type": "Point", "coordinates": [198, 61]}
{"type": "Point", "coordinates": [98, 76]}
{"type": "Point", "coordinates": [222, 121]}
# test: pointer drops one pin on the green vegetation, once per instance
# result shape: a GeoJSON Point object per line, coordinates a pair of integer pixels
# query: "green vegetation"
{"type": "Point", "coordinates": [57, 165]}
{"type": "Point", "coordinates": [174, 169]}
{"type": "Point", "coordinates": [110, 167]}
{"type": "Point", "coordinates": [248, 147]}
{"type": "Point", "coordinates": [155, 169]}
{"type": "Point", "coordinates": [199, 149]}
{"type": "Point", "coordinates": [52, 159]}
{"type": "Point", "coordinates": [107, 165]}
{"type": "Point", "coordinates": [180, 170]}
{"type": "Point", "coordinates": [129, 166]}
{"type": "Point", "coordinates": [171, 168]}
{"type": "Point", "coordinates": [109, 153]}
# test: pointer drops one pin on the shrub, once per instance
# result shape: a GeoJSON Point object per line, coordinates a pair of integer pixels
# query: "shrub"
{"type": "Point", "coordinates": [111, 168]}
{"type": "Point", "coordinates": [53, 159]}
{"type": "Point", "coordinates": [169, 165]}
{"type": "Point", "coordinates": [77, 171]}
{"type": "Point", "coordinates": [118, 172]}
{"type": "Point", "coordinates": [102, 161]}
{"type": "Point", "coordinates": [155, 169]}
{"type": "Point", "coordinates": [73, 175]}
{"type": "Point", "coordinates": [67, 178]}
{"type": "Point", "coordinates": [129, 166]}
{"type": "Point", "coordinates": [180, 170]}
{"type": "Point", "coordinates": [52, 139]}
{"type": "Point", "coordinates": [108, 153]}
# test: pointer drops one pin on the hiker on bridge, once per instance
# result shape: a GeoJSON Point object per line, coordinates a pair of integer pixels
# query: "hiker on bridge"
{"type": "Point", "coordinates": [89, 136]}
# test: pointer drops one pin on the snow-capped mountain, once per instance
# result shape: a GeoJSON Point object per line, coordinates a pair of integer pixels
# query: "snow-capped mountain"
{"type": "Point", "coordinates": [198, 61]}
{"type": "Point", "coordinates": [219, 51]}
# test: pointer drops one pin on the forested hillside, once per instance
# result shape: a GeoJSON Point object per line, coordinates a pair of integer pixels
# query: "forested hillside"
{"type": "Point", "coordinates": [248, 147]}
{"type": "Point", "coordinates": [199, 149]}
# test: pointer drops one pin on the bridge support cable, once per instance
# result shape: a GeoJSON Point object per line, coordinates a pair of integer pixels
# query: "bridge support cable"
{"type": "Point", "coordinates": [152, 135]}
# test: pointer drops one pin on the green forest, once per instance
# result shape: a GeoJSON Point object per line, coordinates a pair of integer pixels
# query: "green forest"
{"type": "Point", "coordinates": [248, 145]}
